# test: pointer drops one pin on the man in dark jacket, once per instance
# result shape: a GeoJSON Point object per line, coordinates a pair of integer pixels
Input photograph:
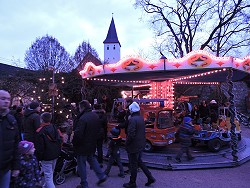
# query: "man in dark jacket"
{"type": "Point", "coordinates": [87, 128]}
{"type": "Point", "coordinates": [31, 121]}
{"type": "Point", "coordinates": [204, 110]}
{"type": "Point", "coordinates": [103, 131]}
{"type": "Point", "coordinates": [19, 118]}
{"type": "Point", "coordinates": [9, 158]}
{"type": "Point", "coordinates": [135, 143]}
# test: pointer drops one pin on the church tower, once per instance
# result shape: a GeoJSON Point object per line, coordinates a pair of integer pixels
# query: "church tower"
{"type": "Point", "coordinates": [111, 45]}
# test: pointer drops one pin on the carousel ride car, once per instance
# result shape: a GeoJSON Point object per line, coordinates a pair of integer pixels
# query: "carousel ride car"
{"type": "Point", "coordinates": [160, 129]}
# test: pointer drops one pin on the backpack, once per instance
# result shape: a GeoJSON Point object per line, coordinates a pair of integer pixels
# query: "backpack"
{"type": "Point", "coordinates": [57, 141]}
{"type": "Point", "coordinates": [53, 143]}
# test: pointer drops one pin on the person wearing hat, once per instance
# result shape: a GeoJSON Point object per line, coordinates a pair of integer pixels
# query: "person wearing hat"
{"type": "Point", "coordinates": [31, 121]}
{"type": "Point", "coordinates": [114, 152]}
{"type": "Point", "coordinates": [185, 132]}
{"type": "Point", "coordinates": [214, 113]}
{"type": "Point", "coordinates": [135, 143]}
{"type": "Point", "coordinates": [29, 175]}
{"type": "Point", "coordinates": [9, 158]}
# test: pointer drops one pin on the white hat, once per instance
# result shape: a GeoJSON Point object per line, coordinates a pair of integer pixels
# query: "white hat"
{"type": "Point", "coordinates": [213, 102]}
{"type": "Point", "coordinates": [134, 107]}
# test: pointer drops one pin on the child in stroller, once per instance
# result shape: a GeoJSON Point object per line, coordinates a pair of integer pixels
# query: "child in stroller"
{"type": "Point", "coordinates": [65, 164]}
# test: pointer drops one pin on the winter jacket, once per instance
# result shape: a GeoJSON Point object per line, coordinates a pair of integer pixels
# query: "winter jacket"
{"type": "Point", "coordinates": [114, 146]}
{"type": "Point", "coordinates": [214, 112]}
{"type": "Point", "coordinates": [186, 132]}
{"type": "Point", "coordinates": [124, 124]}
{"type": "Point", "coordinates": [136, 139]}
{"type": "Point", "coordinates": [19, 118]}
{"type": "Point", "coordinates": [48, 143]}
{"type": "Point", "coordinates": [9, 139]}
{"type": "Point", "coordinates": [29, 172]}
{"type": "Point", "coordinates": [204, 111]}
{"type": "Point", "coordinates": [195, 114]}
{"type": "Point", "coordinates": [87, 128]}
{"type": "Point", "coordinates": [31, 124]}
{"type": "Point", "coordinates": [103, 123]}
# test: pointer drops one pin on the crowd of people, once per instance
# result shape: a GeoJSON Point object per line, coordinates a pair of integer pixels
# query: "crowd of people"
{"type": "Point", "coordinates": [31, 144]}
{"type": "Point", "coordinates": [206, 115]}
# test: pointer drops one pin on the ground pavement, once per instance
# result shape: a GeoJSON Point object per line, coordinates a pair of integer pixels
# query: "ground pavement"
{"type": "Point", "coordinates": [206, 170]}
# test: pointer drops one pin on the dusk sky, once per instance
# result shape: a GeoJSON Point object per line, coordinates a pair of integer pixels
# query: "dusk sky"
{"type": "Point", "coordinates": [71, 23]}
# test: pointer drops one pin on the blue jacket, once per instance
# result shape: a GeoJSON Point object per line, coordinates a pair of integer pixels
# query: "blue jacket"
{"type": "Point", "coordinates": [186, 130]}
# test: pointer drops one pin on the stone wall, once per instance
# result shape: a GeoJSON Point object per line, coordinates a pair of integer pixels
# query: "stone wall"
{"type": "Point", "coordinates": [240, 91]}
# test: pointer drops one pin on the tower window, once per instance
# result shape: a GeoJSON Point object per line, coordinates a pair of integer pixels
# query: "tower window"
{"type": "Point", "coordinates": [114, 47]}
{"type": "Point", "coordinates": [107, 47]}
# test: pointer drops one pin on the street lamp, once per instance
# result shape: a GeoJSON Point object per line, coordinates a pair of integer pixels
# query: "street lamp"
{"type": "Point", "coordinates": [53, 91]}
{"type": "Point", "coordinates": [164, 61]}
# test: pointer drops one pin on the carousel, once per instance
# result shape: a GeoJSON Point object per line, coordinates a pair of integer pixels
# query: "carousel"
{"type": "Point", "coordinates": [161, 76]}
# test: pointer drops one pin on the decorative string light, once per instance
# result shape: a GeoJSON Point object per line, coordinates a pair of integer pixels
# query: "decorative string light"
{"type": "Point", "coordinates": [144, 85]}
{"type": "Point", "coordinates": [121, 81]}
{"type": "Point", "coordinates": [198, 75]}
{"type": "Point", "coordinates": [198, 83]}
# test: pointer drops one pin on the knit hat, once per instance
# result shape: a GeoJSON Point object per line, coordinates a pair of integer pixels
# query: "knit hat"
{"type": "Point", "coordinates": [134, 107]}
{"type": "Point", "coordinates": [24, 147]}
{"type": "Point", "coordinates": [34, 105]}
{"type": "Point", "coordinates": [187, 119]}
{"type": "Point", "coordinates": [213, 102]}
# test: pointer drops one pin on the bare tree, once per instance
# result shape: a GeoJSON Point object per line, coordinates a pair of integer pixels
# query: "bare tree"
{"type": "Point", "coordinates": [47, 52]}
{"type": "Point", "coordinates": [219, 26]}
{"type": "Point", "coordinates": [81, 51]}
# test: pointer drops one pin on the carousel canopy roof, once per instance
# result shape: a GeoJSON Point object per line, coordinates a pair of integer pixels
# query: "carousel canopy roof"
{"type": "Point", "coordinates": [197, 66]}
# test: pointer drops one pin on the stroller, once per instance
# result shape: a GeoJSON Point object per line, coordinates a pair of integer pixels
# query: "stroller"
{"type": "Point", "coordinates": [65, 164]}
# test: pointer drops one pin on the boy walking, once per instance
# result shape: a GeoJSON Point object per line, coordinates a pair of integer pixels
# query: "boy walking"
{"type": "Point", "coordinates": [114, 152]}
{"type": "Point", "coordinates": [186, 131]}
{"type": "Point", "coordinates": [48, 147]}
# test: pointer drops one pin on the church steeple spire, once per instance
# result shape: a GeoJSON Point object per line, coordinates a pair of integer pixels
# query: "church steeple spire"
{"type": "Point", "coordinates": [111, 45]}
{"type": "Point", "coordinates": [112, 35]}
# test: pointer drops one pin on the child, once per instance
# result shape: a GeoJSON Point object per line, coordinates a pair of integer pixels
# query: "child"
{"type": "Point", "coordinates": [48, 147]}
{"type": "Point", "coordinates": [29, 172]}
{"type": "Point", "coordinates": [114, 152]}
{"type": "Point", "coordinates": [186, 131]}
